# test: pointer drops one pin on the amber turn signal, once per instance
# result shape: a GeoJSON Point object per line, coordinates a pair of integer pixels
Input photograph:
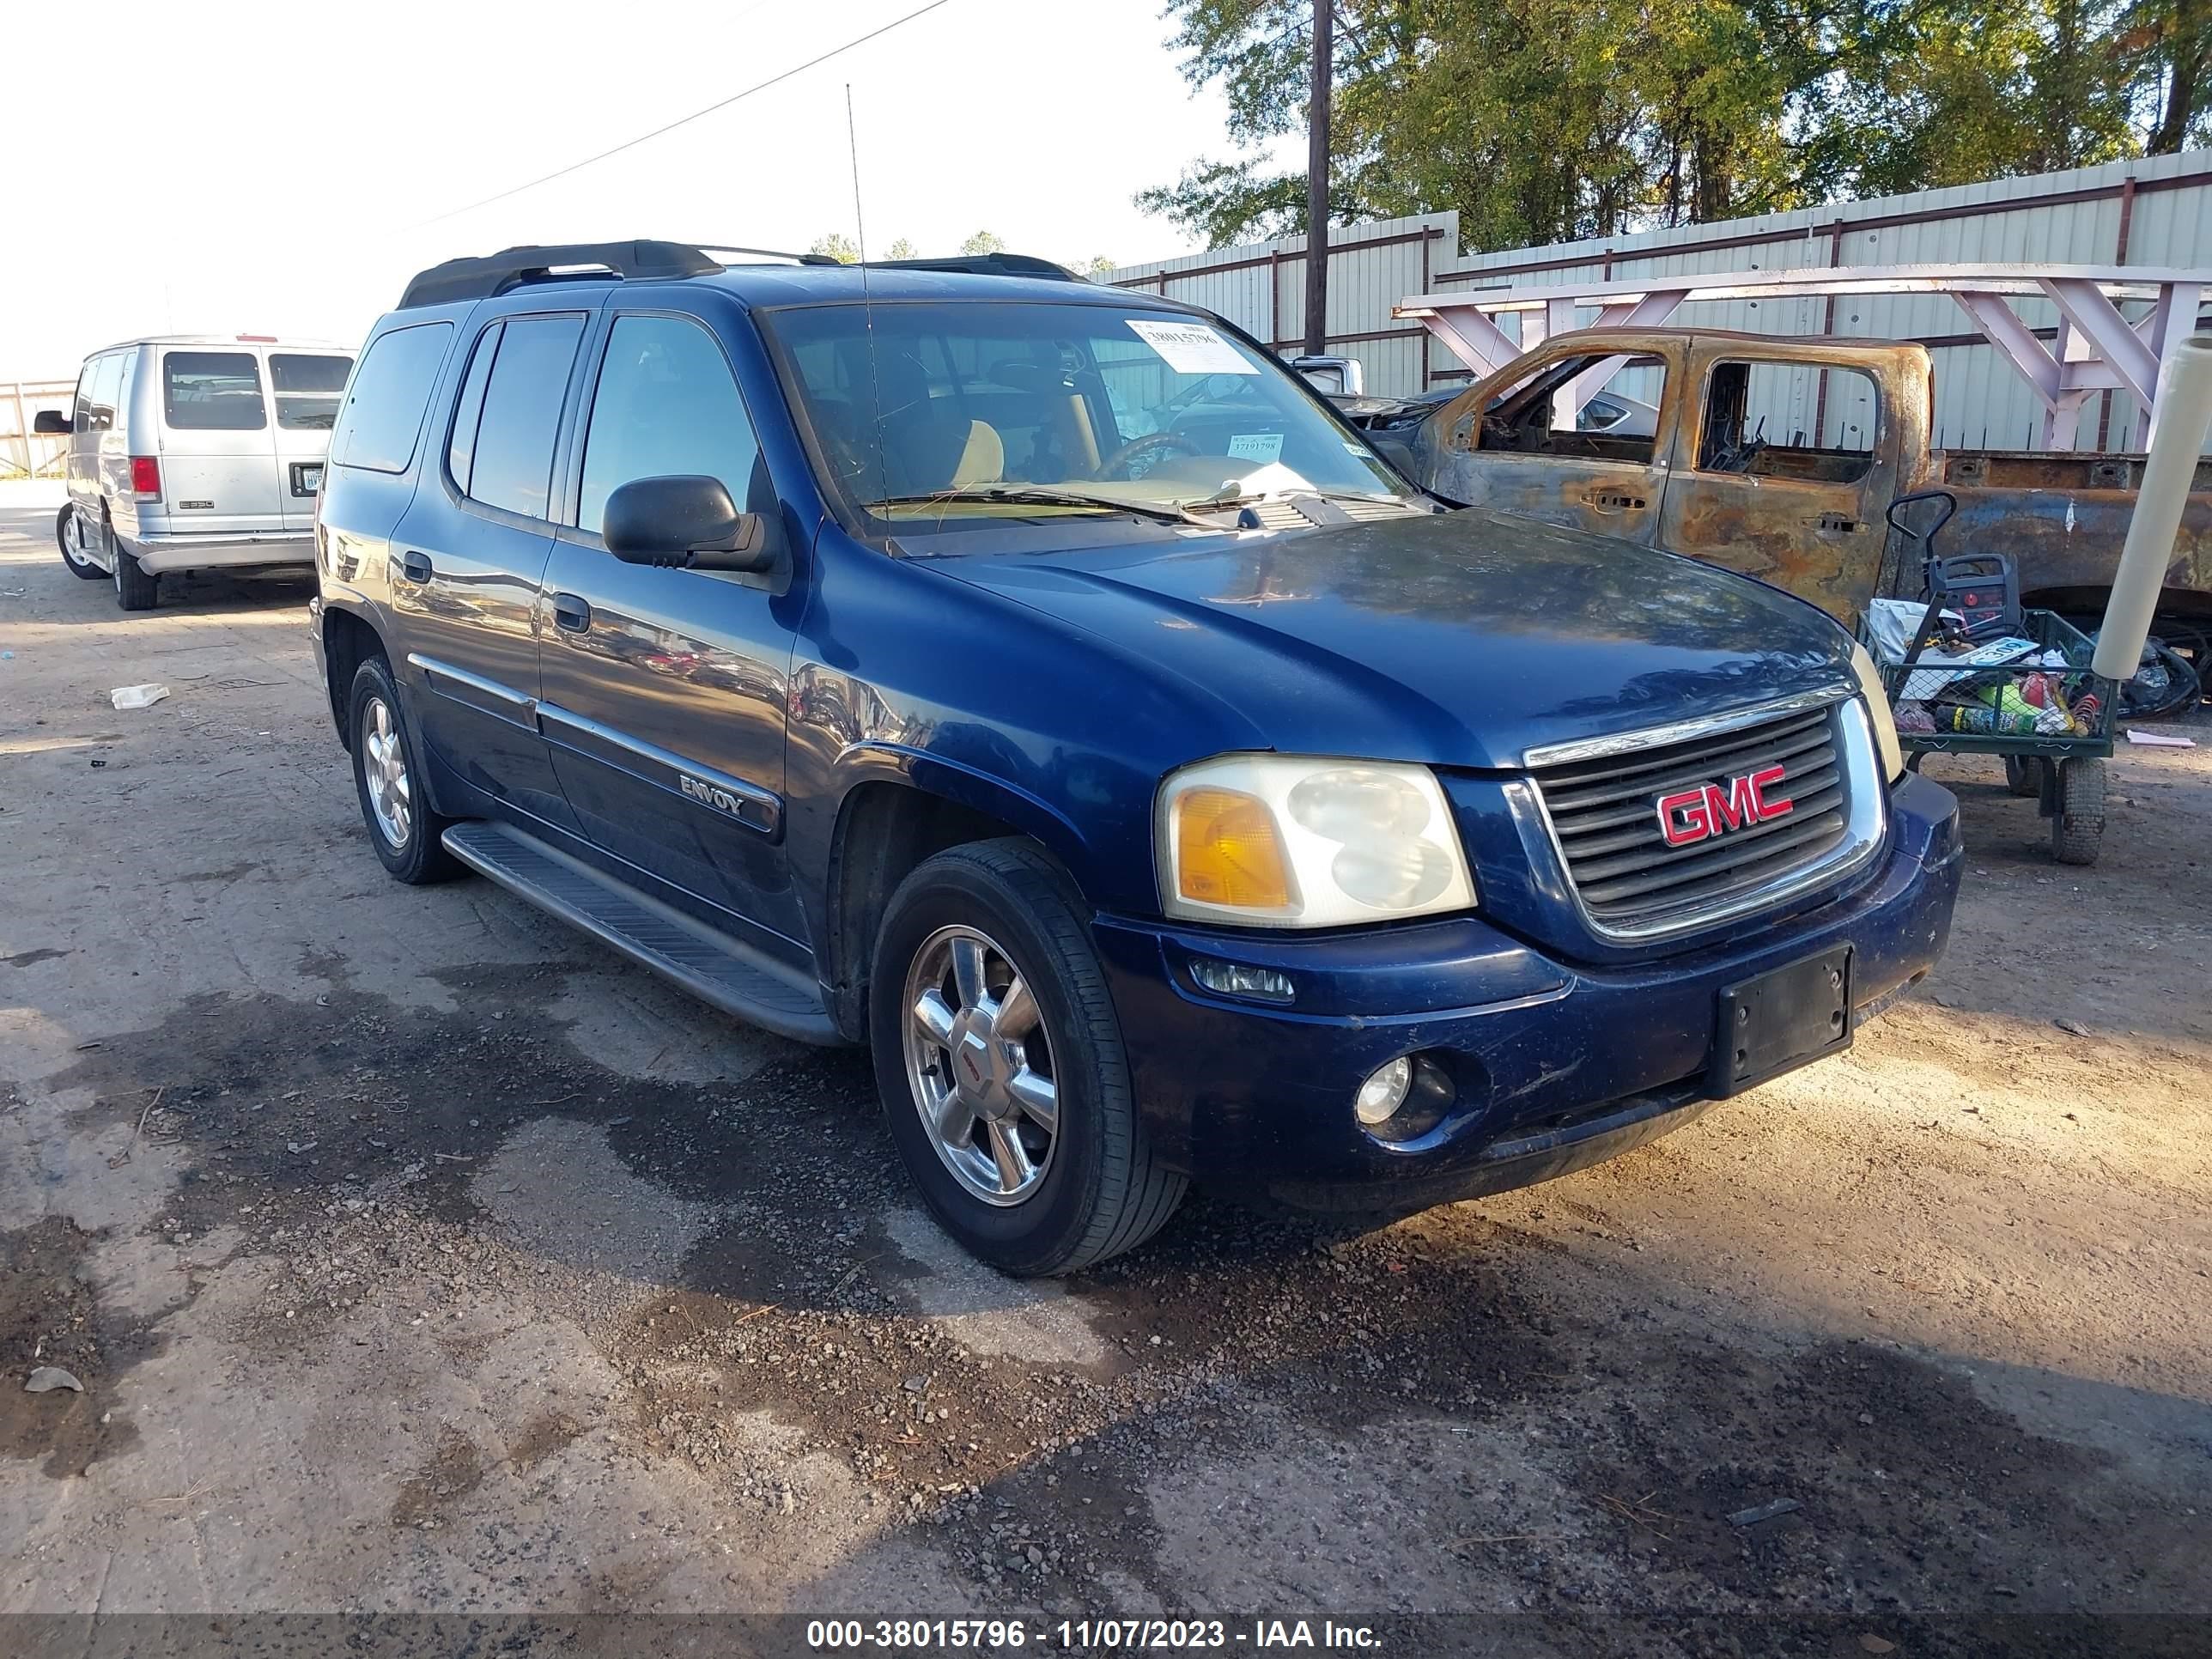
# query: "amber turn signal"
{"type": "Point", "coordinates": [1227, 852]}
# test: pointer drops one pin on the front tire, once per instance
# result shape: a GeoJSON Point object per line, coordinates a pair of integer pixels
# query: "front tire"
{"type": "Point", "coordinates": [67, 527]}
{"type": "Point", "coordinates": [1000, 1064]}
{"type": "Point", "coordinates": [387, 776]}
{"type": "Point", "coordinates": [2023, 775]}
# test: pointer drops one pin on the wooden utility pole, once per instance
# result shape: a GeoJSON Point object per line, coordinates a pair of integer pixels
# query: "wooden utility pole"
{"type": "Point", "coordinates": [1317, 183]}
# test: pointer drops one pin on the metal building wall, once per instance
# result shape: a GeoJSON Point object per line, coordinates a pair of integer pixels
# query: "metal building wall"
{"type": "Point", "coordinates": [2155, 211]}
{"type": "Point", "coordinates": [1262, 288]}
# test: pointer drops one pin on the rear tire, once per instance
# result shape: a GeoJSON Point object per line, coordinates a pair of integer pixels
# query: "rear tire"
{"type": "Point", "coordinates": [66, 529]}
{"type": "Point", "coordinates": [2023, 774]}
{"type": "Point", "coordinates": [2078, 828]}
{"type": "Point", "coordinates": [1098, 1190]}
{"type": "Point", "coordinates": [387, 776]}
{"type": "Point", "coordinates": [136, 587]}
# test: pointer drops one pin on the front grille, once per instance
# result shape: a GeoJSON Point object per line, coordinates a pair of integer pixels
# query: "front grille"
{"type": "Point", "coordinates": [1605, 814]}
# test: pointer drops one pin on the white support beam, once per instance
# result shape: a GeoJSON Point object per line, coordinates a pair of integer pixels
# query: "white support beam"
{"type": "Point", "coordinates": [1649, 312]}
{"type": "Point", "coordinates": [2002, 327]}
{"type": "Point", "coordinates": [2172, 321]}
{"type": "Point", "coordinates": [2098, 349]}
{"type": "Point", "coordinates": [1473, 338]}
{"type": "Point", "coordinates": [2084, 305]}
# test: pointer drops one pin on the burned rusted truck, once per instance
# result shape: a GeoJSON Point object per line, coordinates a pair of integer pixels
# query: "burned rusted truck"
{"type": "Point", "coordinates": [1779, 455]}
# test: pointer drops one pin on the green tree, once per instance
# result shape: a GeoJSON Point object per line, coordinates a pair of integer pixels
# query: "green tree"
{"type": "Point", "coordinates": [838, 246]}
{"type": "Point", "coordinates": [1095, 267]}
{"type": "Point", "coordinates": [1547, 121]}
{"type": "Point", "coordinates": [983, 241]}
{"type": "Point", "coordinates": [902, 249]}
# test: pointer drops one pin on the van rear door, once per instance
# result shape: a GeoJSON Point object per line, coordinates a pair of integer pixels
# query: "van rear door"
{"type": "Point", "coordinates": [218, 453]}
{"type": "Point", "coordinates": [306, 387]}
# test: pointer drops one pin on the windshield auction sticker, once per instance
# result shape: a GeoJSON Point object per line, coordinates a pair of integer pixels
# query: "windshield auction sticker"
{"type": "Point", "coordinates": [1193, 348]}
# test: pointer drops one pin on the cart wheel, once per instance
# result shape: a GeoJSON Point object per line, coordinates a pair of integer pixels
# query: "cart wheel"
{"type": "Point", "coordinates": [2023, 774]}
{"type": "Point", "coordinates": [2078, 826]}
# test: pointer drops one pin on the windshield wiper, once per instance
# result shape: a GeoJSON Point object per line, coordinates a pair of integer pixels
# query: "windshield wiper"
{"type": "Point", "coordinates": [1228, 496]}
{"type": "Point", "coordinates": [1041, 495]}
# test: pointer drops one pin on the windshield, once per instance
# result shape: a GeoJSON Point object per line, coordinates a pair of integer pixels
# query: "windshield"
{"type": "Point", "coordinates": [1027, 410]}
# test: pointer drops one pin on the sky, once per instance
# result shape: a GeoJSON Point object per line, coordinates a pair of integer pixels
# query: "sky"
{"type": "Point", "coordinates": [225, 165]}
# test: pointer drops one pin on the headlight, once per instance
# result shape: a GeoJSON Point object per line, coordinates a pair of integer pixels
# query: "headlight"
{"type": "Point", "coordinates": [1294, 841]}
{"type": "Point", "coordinates": [1885, 722]}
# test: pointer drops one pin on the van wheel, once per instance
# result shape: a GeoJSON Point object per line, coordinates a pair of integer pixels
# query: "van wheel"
{"type": "Point", "coordinates": [403, 830]}
{"type": "Point", "coordinates": [1002, 1068]}
{"type": "Point", "coordinates": [135, 589]}
{"type": "Point", "coordinates": [67, 529]}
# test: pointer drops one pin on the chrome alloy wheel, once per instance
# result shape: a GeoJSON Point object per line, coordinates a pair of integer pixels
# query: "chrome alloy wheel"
{"type": "Point", "coordinates": [384, 767]}
{"type": "Point", "coordinates": [980, 1062]}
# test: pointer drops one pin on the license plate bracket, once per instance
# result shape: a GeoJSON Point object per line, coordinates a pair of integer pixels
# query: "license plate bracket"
{"type": "Point", "coordinates": [1786, 1017]}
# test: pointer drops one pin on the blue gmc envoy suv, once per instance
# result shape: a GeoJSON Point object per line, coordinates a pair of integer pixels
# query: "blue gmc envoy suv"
{"type": "Point", "coordinates": [1036, 682]}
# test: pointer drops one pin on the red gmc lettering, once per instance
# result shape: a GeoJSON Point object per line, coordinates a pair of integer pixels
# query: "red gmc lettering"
{"type": "Point", "coordinates": [1690, 816]}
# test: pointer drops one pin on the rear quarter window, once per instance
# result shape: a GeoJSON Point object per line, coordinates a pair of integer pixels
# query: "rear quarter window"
{"type": "Point", "coordinates": [212, 392]}
{"type": "Point", "coordinates": [307, 389]}
{"type": "Point", "coordinates": [382, 417]}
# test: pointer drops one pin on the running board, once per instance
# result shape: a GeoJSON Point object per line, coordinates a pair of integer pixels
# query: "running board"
{"type": "Point", "coordinates": [709, 965]}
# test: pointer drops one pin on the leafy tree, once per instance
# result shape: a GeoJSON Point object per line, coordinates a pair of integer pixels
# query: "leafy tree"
{"type": "Point", "coordinates": [838, 246]}
{"type": "Point", "coordinates": [1545, 120]}
{"type": "Point", "coordinates": [902, 249]}
{"type": "Point", "coordinates": [983, 241]}
{"type": "Point", "coordinates": [1095, 267]}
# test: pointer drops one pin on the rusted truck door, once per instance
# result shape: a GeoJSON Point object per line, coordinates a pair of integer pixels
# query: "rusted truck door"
{"type": "Point", "coordinates": [1536, 439]}
{"type": "Point", "coordinates": [1785, 457]}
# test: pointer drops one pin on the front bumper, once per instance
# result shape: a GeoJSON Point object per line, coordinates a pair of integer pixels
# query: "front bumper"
{"type": "Point", "coordinates": [1556, 1064]}
{"type": "Point", "coordinates": [159, 551]}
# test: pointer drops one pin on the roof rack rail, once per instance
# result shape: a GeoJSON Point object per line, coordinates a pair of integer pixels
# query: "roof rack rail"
{"type": "Point", "coordinates": [511, 268]}
{"type": "Point", "coordinates": [986, 265]}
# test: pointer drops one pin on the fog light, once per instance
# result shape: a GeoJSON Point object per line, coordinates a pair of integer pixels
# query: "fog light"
{"type": "Point", "coordinates": [1383, 1092]}
{"type": "Point", "coordinates": [1233, 979]}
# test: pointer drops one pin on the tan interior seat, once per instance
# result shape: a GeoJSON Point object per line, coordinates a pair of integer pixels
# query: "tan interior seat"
{"type": "Point", "coordinates": [982, 457]}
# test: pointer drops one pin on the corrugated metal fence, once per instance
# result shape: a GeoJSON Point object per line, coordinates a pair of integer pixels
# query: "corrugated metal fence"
{"type": "Point", "coordinates": [23, 454]}
{"type": "Point", "coordinates": [2156, 211]}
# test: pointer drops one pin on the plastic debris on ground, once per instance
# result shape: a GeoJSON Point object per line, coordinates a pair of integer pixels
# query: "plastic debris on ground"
{"type": "Point", "coordinates": [2158, 740]}
{"type": "Point", "coordinates": [137, 697]}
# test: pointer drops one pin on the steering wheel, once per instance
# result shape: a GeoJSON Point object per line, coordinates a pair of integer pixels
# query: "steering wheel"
{"type": "Point", "coordinates": [1116, 465]}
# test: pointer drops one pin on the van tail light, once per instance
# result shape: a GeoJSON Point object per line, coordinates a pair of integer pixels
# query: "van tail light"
{"type": "Point", "coordinates": [146, 477]}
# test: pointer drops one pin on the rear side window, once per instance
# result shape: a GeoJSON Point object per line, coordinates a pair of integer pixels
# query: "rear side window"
{"type": "Point", "coordinates": [511, 467]}
{"type": "Point", "coordinates": [212, 392]}
{"type": "Point", "coordinates": [460, 452]}
{"type": "Point", "coordinates": [307, 389]}
{"type": "Point", "coordinates": [377, 428]}
{"type": "Point", "coordinates": [666, 404]}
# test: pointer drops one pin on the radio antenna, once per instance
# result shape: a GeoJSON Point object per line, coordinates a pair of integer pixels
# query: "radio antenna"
{"type": "Point", "coordinates": [867, 302]}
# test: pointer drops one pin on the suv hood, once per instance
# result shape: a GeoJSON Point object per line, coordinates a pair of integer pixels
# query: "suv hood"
{"type": "Point", "coordinates": [1463, 638]}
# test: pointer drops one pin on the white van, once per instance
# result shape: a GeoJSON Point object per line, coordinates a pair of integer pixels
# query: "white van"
{"type": "Point", "coordinates": [196, 453]}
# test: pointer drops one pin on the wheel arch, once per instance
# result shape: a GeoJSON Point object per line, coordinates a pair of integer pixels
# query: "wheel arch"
{"type": "Point", "coordinates": [897, 809]}
{"type": "Point", "coordinates": [349, 639]}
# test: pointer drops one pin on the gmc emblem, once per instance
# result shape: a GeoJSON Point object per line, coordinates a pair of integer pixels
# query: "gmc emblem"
{"type": "Point", "coordinates": [1690, 816]}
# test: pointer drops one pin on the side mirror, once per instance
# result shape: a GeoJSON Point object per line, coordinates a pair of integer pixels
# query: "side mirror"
{"type": "Point", "coordinates": [51, 423]}
{"type": "Point", "coordinates": [686, 522]}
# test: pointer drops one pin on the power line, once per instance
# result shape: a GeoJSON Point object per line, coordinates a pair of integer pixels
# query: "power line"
{"type": "Point", "coordinates": [683, 120]}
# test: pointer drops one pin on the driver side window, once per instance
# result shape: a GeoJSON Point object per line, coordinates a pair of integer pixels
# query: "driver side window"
{"type": "Point", "coordinates": [666, 404]}
{"type": "Point", "coordinates": [1590, 406]}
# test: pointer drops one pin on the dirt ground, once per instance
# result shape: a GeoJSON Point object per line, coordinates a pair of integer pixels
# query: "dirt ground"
{"type": "Point", "coordinates": [417, 1255]}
